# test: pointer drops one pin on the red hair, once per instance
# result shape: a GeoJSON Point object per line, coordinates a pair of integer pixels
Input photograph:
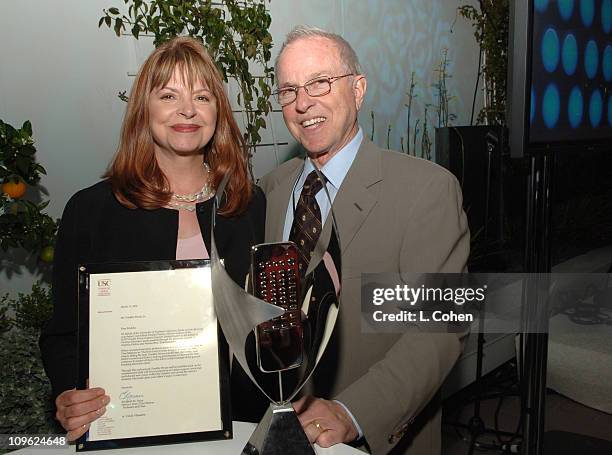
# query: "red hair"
{"type": "Point", "coordinates": [136, 178]}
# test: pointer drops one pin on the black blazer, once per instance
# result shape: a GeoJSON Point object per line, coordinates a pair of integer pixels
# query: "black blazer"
{"type": "Point", "coordinates": [95, 227]}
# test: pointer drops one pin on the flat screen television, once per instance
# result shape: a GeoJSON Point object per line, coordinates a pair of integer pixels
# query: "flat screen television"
{"type": "Point", "coordinates": [560, 74]}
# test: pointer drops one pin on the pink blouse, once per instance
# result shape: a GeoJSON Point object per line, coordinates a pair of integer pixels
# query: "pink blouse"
{"type": "Point", "coordinates": [191, 248]}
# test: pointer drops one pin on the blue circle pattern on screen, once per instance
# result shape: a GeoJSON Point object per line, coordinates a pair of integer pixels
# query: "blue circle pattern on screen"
{"type": "Point", "coordinates": [575, 107]}
{"type": "Point", "coordinates": [595, 108]}
{"type": "Point", "coordinates": [533, 106]}
{"type": "Point", "coordinates": [591, 59]}
{"type": "Point", "coordinates": [569, 55]}
{"type": "Point", "coordinates": [541, 5]}
{"type": "Point", "coordinates": [587, 12]}
{"type": "Point", "coordinates": [606, 16]}
{"type": "Point", "coordinates": [607, 63]}
{"type": "Point", "coordinates": [550, 50]}
{"type": "Point", "coordinates": [551, 105]}
{"type": "Point", "coordinates": [566, 8]}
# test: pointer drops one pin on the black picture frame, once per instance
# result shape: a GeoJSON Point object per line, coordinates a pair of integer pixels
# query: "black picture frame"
{"type": "Point", "coordinates": [84, 443]}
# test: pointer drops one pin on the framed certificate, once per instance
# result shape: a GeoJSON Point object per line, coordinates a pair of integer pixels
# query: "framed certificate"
{"type": "Point", "coordinates": [149, 336]}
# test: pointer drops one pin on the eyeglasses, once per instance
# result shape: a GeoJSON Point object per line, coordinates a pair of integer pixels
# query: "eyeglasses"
{"type": "Point", "coordinates": [316, 87]}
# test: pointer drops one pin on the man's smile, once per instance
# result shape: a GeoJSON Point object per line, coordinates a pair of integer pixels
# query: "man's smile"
{"type": "Point", "coordinates": [313, 121]}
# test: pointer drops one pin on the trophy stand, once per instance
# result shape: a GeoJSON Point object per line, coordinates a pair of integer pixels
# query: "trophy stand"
{"type": "Point", "coordinates": [279, 433]}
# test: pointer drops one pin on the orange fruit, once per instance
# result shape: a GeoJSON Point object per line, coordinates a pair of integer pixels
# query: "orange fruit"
{"type": "Point", "coordinates": [14, 189]}
{"type": "Point", "coordinates": [47, 253]}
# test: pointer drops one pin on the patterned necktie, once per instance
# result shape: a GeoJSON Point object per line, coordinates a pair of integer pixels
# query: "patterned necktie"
{"type": "Point", "coordinates": [306, 226]}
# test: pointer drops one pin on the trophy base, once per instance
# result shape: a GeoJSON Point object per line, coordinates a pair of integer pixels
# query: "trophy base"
{"type": "Point", "coordinates": [279, 433]}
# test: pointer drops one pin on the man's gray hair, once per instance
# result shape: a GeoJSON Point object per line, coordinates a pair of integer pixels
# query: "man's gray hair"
{"type": "Point", "coordinates": [347, 54]}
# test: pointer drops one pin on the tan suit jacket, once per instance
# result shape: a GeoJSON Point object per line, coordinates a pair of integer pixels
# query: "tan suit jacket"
{"type": "Point", "coordinates": [395, 213]}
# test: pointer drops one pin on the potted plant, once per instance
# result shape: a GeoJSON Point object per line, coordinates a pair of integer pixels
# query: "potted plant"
{"type": "Point", "coordinates": [25, 391]}
{"type": "Point", "coordinates": [25, 406]}
{"type": "Point", "coordinates": [491, 22]}
{"type": "Point", "coordinates": [24, 223]}
{"type": "Point", "coordinates": [475, 153]}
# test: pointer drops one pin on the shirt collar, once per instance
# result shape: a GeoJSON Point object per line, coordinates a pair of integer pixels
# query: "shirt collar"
{"type": "Point", "coordinates": [338, 166]}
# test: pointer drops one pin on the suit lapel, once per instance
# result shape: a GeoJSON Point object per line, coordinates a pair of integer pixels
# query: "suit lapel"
{"type": "Point", "coordinates": [278, 202]}
{"type": "Point", "coordinates": [355, 200]}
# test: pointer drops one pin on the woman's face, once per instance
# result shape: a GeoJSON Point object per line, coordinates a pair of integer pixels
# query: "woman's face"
{"type": "Point", "coordinates": [182, 120]}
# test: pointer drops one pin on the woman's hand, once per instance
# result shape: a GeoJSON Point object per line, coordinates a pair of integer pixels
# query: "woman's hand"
{"type": "Point", "coordinates": [76, 409]}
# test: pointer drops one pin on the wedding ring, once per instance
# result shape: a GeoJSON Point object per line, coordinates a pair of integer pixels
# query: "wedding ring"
{"type": "Point", "coordinates": [317, 425]}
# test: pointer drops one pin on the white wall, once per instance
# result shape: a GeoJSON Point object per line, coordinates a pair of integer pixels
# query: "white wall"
{"type": "Point", "coordinates": [60, 71]}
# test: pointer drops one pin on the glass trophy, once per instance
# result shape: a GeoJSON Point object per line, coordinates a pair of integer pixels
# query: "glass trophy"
{"type": "Point", "coordinates": [292, 317]}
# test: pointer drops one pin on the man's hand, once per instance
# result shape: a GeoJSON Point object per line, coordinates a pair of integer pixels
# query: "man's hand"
{"type": "Point", "coordinates": [76, 409]}
{"type": "Point", "coordinates": [325, 422]}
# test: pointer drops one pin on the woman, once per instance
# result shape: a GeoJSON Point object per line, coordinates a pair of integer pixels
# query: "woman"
{"type": "Point", "coordinates": [178, 140]}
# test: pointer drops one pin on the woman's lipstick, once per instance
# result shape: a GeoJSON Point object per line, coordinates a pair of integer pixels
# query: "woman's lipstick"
{"type": "Point", "coordinates": [185, 127]}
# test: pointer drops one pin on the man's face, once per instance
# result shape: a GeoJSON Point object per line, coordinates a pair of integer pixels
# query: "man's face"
{"type": "Point", "coordinates": [324, 124]}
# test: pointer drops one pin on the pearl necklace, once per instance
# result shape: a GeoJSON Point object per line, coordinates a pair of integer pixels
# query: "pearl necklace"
{"type": "Point", "coordinates": [188, 201]}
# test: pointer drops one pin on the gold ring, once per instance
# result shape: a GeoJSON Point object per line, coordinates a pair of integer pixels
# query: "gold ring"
{"type": "Point", "coordinates": [317, 425]}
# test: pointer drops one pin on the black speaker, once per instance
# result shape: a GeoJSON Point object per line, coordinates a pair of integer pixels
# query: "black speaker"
{"type": "Point", "coordinates": [474, 155]}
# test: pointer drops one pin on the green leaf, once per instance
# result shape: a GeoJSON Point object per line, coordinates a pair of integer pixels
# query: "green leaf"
{"type": "Point", "coordinates": [27, 149]}
{"type": "Point", "coordinates": [107, 20]}
{"type": "Point", "coordinates": [136, 30]}
{"type": "Point", "coordinates": [27, 127]}
{"type": "Point", "coordinates": [113, 10]}
{"type": "Point", "coordinates": [23, 165]}
{"type": "Point", "coordinates": [10, 131]}
{"type": "Point", "coordinates": [118, 26]}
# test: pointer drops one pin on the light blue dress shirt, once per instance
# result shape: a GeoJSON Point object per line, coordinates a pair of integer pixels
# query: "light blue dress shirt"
{"type": "Point", "coordinates": [334, 171]}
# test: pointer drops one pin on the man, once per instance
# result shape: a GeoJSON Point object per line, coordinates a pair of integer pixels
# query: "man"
{"type": "Point", "coordinates": [395, 213]}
